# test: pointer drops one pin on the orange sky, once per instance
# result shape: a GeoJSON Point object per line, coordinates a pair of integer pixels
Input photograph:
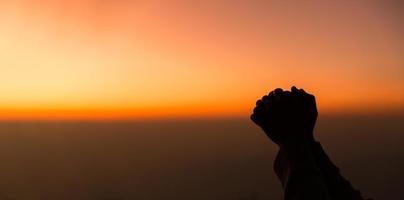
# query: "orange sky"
{"type": "Point", "coordinates": [85, 59]}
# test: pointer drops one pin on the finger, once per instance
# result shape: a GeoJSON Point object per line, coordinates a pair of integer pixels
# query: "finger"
{"type": "Point", "coordinates": [270, 97]}
{"type": "Point", "coordinates": [298, 94]}
{"type": "Point", "coordinates": [277, 94]}
{"type": "Point", "coordinates": [294, 89]}
{"type": "Point", "coordinates": [305, 95]}
{"type": "Point", "coordinates": [259, 103]}
{"type": "Point", "coordinates": [259, 110]}
{"type": "Point", "coordinates": [254, 118]}
{"type": "Point", "coordinates": [257, 119]}
{"type": "Point", "coordinates": [312, 100]}
{"type": "Point", "coordinates": [278, 91]}
{"type": "Point", "coordinates": [286, 93]}
{"type": "Point", "coordinates": [264, 98]}
{"type": "Point", "coordinates": [302, 91]}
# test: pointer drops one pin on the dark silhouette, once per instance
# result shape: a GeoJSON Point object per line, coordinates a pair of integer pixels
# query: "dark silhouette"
{"type": "Point", "coordinates": [304, 169]}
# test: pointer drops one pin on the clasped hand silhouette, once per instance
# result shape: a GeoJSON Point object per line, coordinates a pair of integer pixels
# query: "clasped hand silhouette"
{"type": "Point", "coordinates": [286, 116]}
{"type": "Point", "coordinates": [304, 169]}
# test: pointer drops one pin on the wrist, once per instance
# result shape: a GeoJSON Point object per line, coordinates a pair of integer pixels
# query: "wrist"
{"type": "Point", "coordinates": [299, 154]}
{"type": "Point", "coordinates": [293, 144]}
{"type": "Point", "coordinates": [294, 138]}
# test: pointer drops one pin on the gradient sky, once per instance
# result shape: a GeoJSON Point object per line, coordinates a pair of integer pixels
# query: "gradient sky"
{"type": "Point", "coordinates": [146, 58]}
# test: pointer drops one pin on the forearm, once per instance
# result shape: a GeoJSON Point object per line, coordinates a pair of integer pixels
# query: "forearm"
{"type": "Point", "coordinates": [296, 168]}
{"type": "Point", "coordinates": [338, 187]}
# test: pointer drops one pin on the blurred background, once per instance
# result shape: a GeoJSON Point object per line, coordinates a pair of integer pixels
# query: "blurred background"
{"type": "Point", "coordinates": [150, 99]}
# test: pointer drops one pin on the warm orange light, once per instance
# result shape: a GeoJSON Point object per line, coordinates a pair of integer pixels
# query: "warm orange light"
{"type": "Point", "coordinates": [82, 59]}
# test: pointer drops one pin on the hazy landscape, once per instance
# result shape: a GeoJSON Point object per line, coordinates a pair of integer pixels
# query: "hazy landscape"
{"type": "Point", "coordinates": [71, 70]}
{"type": "Point", "coordinates": [184, 159]}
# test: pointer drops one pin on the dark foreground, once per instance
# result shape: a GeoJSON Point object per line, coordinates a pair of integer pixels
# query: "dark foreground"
{"type": "Point", "coordinates": [176, 160]}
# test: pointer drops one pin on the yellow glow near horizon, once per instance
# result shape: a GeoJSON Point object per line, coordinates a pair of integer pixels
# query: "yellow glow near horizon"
{"type": "Point", "coordinates": [98, 59]}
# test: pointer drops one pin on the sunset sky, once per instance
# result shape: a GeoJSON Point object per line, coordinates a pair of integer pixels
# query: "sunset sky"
{"type": "Point", "coordinates": [112, 59]}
